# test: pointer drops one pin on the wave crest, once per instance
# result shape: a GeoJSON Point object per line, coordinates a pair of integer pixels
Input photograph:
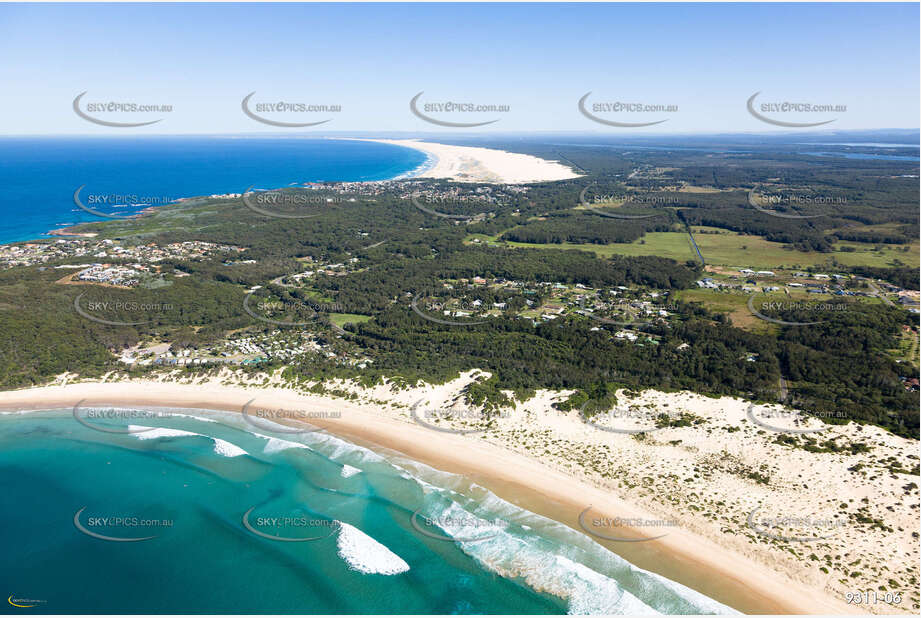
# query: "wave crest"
{"type": "Point", "coordinates": [365, 555]}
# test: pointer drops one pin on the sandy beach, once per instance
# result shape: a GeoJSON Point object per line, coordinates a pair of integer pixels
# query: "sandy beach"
{"type": "Point", "coordinates": [726, 567]}
{"type": "Point", "coordinates": [486, 165]}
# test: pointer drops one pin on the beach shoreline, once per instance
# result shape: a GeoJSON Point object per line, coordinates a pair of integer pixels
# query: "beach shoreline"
{"type": "Point", "coordinates": [443, 161]}
{"type": "Point", "coordinates": [681, 555]}
{"type": "Point", "coordinates": [481, 165]}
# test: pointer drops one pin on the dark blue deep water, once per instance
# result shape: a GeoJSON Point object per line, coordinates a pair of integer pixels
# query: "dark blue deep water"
{"type": "Point", "coordinates": [38, 175]}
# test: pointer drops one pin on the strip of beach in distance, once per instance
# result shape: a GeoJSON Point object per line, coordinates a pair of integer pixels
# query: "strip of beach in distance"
{"type": "Point", "coordinates": [684, 555]}
{"type": "Point", "coordinates": [486, 165]}
{"type": "Point", "coordinates": [264, 163]}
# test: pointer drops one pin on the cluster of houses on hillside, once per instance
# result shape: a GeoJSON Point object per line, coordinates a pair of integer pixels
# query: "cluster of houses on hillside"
{"type": "Point", "coordinates": [812, 283]}
{"type": "Point", "coordinates": [121, 276]}
{"type": "Point", "coordinates": [545, 301]}
{"type": "Point", "coordinates": [426, 190]}
{"type": "Point", "coordinates": [41, 252]}
{"type": "Point", "coordinates": [240, 350]}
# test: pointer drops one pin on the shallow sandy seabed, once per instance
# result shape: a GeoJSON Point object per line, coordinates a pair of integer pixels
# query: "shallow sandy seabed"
{"type": "Point", "coordinates": [554, 464]}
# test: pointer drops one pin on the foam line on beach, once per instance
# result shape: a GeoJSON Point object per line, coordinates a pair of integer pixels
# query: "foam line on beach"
{"type": "Point", "coordinates": [547, 555]}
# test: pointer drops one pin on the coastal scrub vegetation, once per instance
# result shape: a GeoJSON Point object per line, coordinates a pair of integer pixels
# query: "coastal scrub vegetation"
{"type": "Point", "coordinates": [370, 256]}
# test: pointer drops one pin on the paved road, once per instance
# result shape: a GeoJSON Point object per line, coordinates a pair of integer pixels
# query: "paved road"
{"type": "Point", "coordinates": [879, 293]}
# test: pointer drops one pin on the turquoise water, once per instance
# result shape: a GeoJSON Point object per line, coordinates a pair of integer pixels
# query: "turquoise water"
{"type": "Point", "coordinates": [39, 175]}
{"type": "Point", "coordinates": [189, 482]}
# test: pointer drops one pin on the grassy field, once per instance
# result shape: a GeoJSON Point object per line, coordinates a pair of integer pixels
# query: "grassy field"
{"type": "Point", "coordinates": [735, 304]}
{"type": "Point", "coordinates": [731, 249]}
{"type": "Point", "coordinates": [665, 244]}
{"type": "Point", "coordinates": [739, 250]}
{"type": "Point", "coordinates": [159, 220]}
{"type": "Point", "coordinates": [865, 255]}
{"type": "Point", "coordinates": [908, 349]}
{"type": "Point", "coordinates": [341, 319]}
{"type": "Point", "coordinates": [483, 238]}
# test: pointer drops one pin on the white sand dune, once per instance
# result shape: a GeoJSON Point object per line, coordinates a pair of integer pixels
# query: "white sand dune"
{"type": "Point", "coordinates": [487, 165]}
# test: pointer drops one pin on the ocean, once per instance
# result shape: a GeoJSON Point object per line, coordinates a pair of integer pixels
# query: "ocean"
{"type": "Point", "coordinates": [39, 175]}
{"type": "Point", "coordinates": [195, 511]}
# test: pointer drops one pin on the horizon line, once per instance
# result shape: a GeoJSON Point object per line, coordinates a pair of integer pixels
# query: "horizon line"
{"type": "Point", "coordinates": [778, 133]}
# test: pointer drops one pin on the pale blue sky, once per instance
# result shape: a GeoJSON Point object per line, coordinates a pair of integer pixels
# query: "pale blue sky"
{"type": "Point", "coordinates": [539, 59]}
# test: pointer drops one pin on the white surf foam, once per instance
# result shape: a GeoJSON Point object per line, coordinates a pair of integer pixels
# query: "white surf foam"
{"type": "Point", "coordinates": [349, 471]}
{"type": "Point", "coordinates": [142, 432]}
{"type": "Point", "coordinates": [705, 603]}
{"type": "Point", "coordinates": [553, 558]}
{"type": "Point", "coordinates": [365, 555]}
{"type": "Point", "coordinates": [592, 593]}
{"type": "Point", "coordinates": [341, 448]}
{"type": "Point", "coordinates": [196, 417]}
{"type": "Point", "coordinates": [221, 447]}
{"type": "Point", "coordinates": [225, 448]}
{"type": "Point", "coordinates": [276, 445]}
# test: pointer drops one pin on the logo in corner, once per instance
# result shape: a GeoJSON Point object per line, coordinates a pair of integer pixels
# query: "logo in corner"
{"type": "Point", "coordinates": [18, 602]}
